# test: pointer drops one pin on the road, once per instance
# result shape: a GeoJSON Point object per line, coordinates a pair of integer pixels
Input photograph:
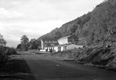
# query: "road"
{"type": "Point", "coordinates": [45, 67]}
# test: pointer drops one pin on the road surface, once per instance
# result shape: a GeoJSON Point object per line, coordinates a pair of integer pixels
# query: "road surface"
{"type": "Point", "coordinates": [45, 67]}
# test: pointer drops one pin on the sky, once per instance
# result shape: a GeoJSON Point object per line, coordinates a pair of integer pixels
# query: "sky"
{"type": "Point", "coordinates": [37, 17]}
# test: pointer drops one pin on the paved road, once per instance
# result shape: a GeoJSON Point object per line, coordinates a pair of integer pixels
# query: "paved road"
{"type": "Point", "coordinates": [45, 67]}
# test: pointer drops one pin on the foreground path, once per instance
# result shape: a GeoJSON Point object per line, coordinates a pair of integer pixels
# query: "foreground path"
{"type": "Point", "coordinates": [45, 67]}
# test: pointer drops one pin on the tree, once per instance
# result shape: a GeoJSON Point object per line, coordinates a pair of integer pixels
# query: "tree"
{"type": "Point", "coordinates": [24, 42]}
{"type": "Point", "coordinates": [57, 35]}
{"type": "Point", "coordinates": [2, 40]}
{"type": "Point", "coordinates": [33, 44]}
{"type": "Point", "coordinates": [73, 29]}
{"type": "Point", "coordinates": [19, 47]}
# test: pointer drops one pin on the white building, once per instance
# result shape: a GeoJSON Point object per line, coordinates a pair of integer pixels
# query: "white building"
{"type": "Point", "coordinates": [48, 44]}
{"type": "Point", "coordinates": [67, 43]}
{"type": "Point", "coordinates": [71, 39]}
{"type": "Point", "coordinates": [62, 44]}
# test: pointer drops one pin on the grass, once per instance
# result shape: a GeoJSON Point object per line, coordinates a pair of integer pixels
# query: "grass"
{"type": "Point", "coordinates": [15, 69]}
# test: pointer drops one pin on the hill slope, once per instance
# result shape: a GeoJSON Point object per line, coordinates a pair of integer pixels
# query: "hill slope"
{"type": "Point", "coordinates": [97, 26]}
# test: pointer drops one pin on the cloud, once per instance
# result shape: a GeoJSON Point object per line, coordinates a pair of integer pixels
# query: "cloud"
{"type": "Point", "coordinates": [13, 31]}
{"type": "Point", "coordinates": [10, 14]}
{"type": "Point", "coordinates": [49, 9]}
{"type": "Point", "coordinates": [15, 3]}
{"type": "Point", "coordinates": [31, 26]}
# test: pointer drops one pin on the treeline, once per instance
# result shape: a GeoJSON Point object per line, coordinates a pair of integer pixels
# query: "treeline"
{"type": "Point", "coordinates": [27, 44]}
{"type": "Point", "coordinates": [4, 50]}
{"type": "Point", "coordinates": [95, 27]}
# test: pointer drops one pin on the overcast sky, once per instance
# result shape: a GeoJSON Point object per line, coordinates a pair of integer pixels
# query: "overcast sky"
{"type": "Point", "coordinates": [37, 17]}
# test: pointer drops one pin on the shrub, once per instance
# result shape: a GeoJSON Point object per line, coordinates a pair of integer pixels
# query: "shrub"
{"type": "Point", "coordinates": [2, 53]}
{"type": "Point", "coordinates": [11, 51]}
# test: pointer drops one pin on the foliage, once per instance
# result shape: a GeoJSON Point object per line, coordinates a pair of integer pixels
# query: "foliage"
{"type": "Point", "coordinates": [2, 53]}
{"type": "Point", "coordinates": [98, 56]}
{"type": "Point", "coordinates": [24, 42]}
{"type": "Point", "coordinates": [33, 44]}
{"type": "Point", "coordinates": [2, 40]}
{"type": "Point", "coordinates": [57, 35]}
{"type": "Point", "coordinates": [10, 51]}
{"type": "Point", "coordinates": [18, 46]}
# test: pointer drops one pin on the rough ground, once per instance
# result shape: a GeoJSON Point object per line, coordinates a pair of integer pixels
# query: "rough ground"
{"type": "Point", "coordinates": [15, 68]}
{"type": "Point", "coordinates": [46, 67]}
{"type": "Point", "coordinates": [43, 66]}
{"type": "Point", "coordinates": [97, 56]}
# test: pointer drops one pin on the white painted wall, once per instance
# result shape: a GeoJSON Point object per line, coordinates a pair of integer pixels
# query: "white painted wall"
{"type": "Point", "coordinates": [63, 41]}
{"type": "Point", "coordinates": [56, 48]}
{"type": "Point", "coordinates": [42, 45]}
{"type": "Point", "coordinates": [62, 48]}
{"type": "Point", "coordinates": [73, 46]}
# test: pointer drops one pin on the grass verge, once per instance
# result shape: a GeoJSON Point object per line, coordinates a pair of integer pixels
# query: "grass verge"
{"type": "Point", "coordinates": [15, 69]}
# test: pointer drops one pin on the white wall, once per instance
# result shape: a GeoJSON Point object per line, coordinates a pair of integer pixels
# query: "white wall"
{"type": "Point", "coordinates": [63, 41]}
{"type": "Point", "coordinates": [42, 45]}
{"type": "Point", "coordinates": [62, 48]}
{"type": "Point", "coordinates": [56, 49]}
{"type": "Point", "coordinates": [73, 46]}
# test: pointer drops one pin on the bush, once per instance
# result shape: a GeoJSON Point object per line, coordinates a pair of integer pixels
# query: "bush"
{"type": "Point", "coordinates": [2, 53]}
{"type": "Point", "coordinates": [11, 51]}
{"type": "Point", "coordinates": [99, 55]}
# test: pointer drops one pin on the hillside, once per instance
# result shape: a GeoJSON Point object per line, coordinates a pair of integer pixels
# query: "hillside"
{"type": "Point", "coordinates": [97, 26]}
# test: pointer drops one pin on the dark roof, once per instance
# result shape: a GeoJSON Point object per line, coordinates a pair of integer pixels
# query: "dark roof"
{"type": "Point", "coordinates": [48, 39]}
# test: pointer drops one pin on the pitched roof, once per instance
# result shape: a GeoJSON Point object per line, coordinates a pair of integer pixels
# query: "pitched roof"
{"type": "Point", "coordinates": [48, 39]}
